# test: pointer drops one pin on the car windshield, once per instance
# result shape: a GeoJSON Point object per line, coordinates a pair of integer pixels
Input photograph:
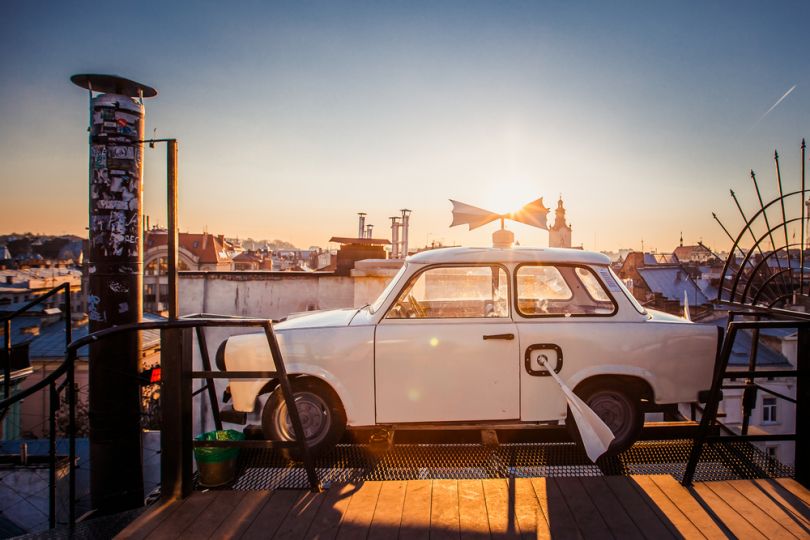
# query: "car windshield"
{"type": "Point", "coordinates": [388, 288]}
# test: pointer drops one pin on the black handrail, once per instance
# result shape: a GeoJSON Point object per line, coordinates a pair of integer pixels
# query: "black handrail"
{"type": "Point", "coordinates": [280, 373]}
{"type": "Point", "coordinates": [50, 381]}
{"type": "Point", "coordinates": [709, 416]}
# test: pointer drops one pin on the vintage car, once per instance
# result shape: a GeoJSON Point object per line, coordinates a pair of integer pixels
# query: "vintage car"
{"type": "Point", "coordinates": [457, 337]}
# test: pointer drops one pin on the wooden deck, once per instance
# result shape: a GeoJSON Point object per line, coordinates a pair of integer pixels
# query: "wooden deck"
{"type": "Point", "coordinates": [656, 507]}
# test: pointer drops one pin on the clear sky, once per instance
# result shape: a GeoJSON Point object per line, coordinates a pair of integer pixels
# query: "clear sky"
{"type": "Point", "coordinates": [293, 116]}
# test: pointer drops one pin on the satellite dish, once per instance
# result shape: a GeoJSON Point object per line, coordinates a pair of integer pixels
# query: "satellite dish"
{"type": "Point", "coordinates": [533, 213]}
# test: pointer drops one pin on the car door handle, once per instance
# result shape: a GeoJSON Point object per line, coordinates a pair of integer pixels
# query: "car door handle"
{"type": "Point", "coordinates": [500, 336]}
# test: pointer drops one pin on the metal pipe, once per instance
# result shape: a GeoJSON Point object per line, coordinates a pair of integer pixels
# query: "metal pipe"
{"type": "Point", "coordinates": [171, 203]}
{"type": "Point", "coordinates": [406, 218]}
{"type": "Point", "coordinates": [361, 224]}
{"type": "Point", "coordinates": [52, 402]}
{"type": "Point", "coordinates": [394, 237]}
{"type": "Point", "coordinates": [7, 363]}
{"type": "Point", "coordinates": [802, 239]}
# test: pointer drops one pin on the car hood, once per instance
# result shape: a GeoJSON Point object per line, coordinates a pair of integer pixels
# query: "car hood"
{"type": "Point", "coordinates": [661, 316]}
{"type": "Point", "coordinates": [318, 319]}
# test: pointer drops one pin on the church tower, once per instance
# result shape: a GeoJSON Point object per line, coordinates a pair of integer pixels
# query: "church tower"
{"type": "Point", "coordinates": [559, 235]}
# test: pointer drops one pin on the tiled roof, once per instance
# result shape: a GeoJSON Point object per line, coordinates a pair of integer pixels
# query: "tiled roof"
{"type": "Point", "coordinates": [209, 249]}
{"type": "Point", "coordinates": [672, 282]}
{"type": "Point", "coordinates": [50, 343]}
{"type": "Point", "coordinates": [742, 349]}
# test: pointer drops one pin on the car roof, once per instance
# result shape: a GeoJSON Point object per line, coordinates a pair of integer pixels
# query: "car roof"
{"type": "Point", "coordinates": [515, 255]}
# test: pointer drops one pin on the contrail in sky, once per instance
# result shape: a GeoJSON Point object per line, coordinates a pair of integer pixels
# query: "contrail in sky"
{"type": "Point", "coordinates": [778, 101]}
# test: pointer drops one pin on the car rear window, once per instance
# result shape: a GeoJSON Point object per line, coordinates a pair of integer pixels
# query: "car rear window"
{"type": "Point", "coordinates": [560, 290]}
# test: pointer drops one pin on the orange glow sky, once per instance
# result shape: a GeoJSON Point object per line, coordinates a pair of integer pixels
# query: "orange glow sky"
{"type": "Point", "coordinates": [294, 116]}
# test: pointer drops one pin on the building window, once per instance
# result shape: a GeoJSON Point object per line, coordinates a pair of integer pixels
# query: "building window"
{"type": "Point", "coordinates": [769, 410]}
{"type": "Point", "coordinates": [771, 451]}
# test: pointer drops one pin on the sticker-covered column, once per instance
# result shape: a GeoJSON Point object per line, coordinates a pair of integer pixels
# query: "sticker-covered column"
{"type": "Point", "coordinates": [115, 298]}
{"type": "Point", "coordinates": [115, 209]}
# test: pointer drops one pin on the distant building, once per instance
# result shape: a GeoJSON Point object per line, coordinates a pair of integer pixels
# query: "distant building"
{"type": "Point", "coordinates": [357, 249]}
{"type": "Point", "coordinates": [18, 287]}
{"type": "Point", "coordinates": [196, 251]}
{"type": "Point", "coordinates": [559, 234]}
{"type": "Point", "coordinates": [662, 286]}
{"type": "Point", "coordinates": [252, 260]}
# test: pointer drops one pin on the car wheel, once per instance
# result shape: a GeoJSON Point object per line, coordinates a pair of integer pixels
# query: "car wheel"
{"type": "Point", "coordinates": [617, 409]}
{"type": "Point", "coordinates": [322, 417]}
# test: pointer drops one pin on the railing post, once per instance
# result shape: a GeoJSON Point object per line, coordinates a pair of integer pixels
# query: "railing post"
{"type": "Point", "coordinates": [175, 431]}
{"type": "Point", "coordinates": [7, 362]}
{"type": "Point", "coordinates": [802, 467]}
{"type": "Point", "coordinates": [53, 402]}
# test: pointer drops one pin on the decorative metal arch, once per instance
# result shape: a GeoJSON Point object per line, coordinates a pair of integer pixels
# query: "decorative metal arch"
{"type": "Point", "coordinates": [749, 279]}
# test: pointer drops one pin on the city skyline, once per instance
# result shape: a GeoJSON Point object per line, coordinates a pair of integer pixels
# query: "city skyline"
{"type": "Point", "coordinates": [293, 117]}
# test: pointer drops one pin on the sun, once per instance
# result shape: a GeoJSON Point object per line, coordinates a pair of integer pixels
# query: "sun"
{"type": "Point", "coordinates": [509, 195]}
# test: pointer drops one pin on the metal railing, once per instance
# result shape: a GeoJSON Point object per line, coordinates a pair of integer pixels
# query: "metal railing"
{"type": "Point", "coordinates": [176, 439]}
{"type": "Point", "coordinates": [801, 436]}
{"type": "Point", "coordinates": [50, 381]}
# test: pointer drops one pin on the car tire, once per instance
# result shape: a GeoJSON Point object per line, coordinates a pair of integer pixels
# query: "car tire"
{"type": "Point", "coordinates": [618, 409]}
{"type": "Point", "coordinates": [322, 417]}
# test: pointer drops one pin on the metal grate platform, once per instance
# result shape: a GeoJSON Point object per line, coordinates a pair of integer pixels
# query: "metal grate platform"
{"type": "Point", "coordinates": [265, 469]}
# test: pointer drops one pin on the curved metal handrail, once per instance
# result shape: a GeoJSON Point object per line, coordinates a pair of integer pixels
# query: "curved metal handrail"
{"type": "Point", "coordinates": [737, 277]}
{"type": "Point", "coordinates": [747, 226]}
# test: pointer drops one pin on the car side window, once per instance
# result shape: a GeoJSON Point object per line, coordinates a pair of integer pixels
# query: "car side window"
{"type": "Point", "coordinates": [560, 290]}
{"type": "Point", "coordinates": [454, 292]}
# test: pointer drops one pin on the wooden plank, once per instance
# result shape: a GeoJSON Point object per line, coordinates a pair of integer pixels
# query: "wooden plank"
{"type": "Point", "coordinates": [239, 520]}
{"type": "Point", "coordinates": [687, 504]}
{"type": "Point", "coordinates": [184, 516]}
{"type": "Point", "coordinates": [561, 522]}
{"type": "Point", "coordinates": [726, 514]}
{"type": "Point", "coordinates": [300, 516]}
{"type": "Point", "coordinates": [500, 505]}
{"type": "Point", "coordinates": [611, 510]}
{"type": "Point", "coordinates": [786, 500]}
{"type": "Point", "coordinates": [526, 507]}
{"type": "Point", "coordinates": [795, 488]}
{"type": "Point", "coordinates": [472, 510]}
{"type": "Point", "coordinates": [444, 520]}
{"type": "Point", "coordinates": [670, 510]}
{"type": "Point", "coordinates": [357, 519]}
{"type": "Point", "coordinates": [757, 517]}
{"type": "Point", "coordinates": [388, 514]}
{"type": "Point", "coordinates": [207, 522]}
{"type": "Point", "coordinates": [639, 508]}
{"type": "Point", "coordinates": [416, 510]}
{"type": "Point", "coordinates": [271, 515]}
{"type": "Point", "coordinates": [589, 520]}
{"type": "Point", "coordinates": [540, 492]}
{"type": "Point", "coordinates": [797, 526]}
{"type": "Point", "coordinates": [149, 521]}
{"type": "Point", "coordinates": [327, 519]}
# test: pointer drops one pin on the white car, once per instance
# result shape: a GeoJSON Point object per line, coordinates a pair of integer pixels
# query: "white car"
{"type": "Point", "coordinates": [457, 338]}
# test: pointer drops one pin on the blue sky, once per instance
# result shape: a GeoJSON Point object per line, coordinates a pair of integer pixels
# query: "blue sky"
{"type": "Point", "coordinates": [292, 116]}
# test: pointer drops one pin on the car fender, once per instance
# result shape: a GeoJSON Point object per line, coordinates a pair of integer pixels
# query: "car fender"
{"type": "Point", "coordinates": [614, 369]}
{"type": "Point", "coordinates": [250, 352]}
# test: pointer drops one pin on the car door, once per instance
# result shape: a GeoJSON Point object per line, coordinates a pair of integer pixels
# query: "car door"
{"type": "Point", "coordinates": [564, 314]}
{"type": "Point", "coordinates": [447, 349]}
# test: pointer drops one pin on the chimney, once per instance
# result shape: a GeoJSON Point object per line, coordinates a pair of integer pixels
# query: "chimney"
{"type": "Point", "coordinates": [406, 216]}
{"type": "Point", "coordinates": [395, 225]}
{"type": "Point", "coordinates": [204, 241]}
{"type": "Point", "coordinates": [368, 231]}
{"type": "Point", "coordinates": [361, 225]}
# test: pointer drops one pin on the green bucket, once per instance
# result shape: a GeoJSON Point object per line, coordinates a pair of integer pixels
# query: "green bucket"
{"type": "Point", "coordinates": [217, 466]}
